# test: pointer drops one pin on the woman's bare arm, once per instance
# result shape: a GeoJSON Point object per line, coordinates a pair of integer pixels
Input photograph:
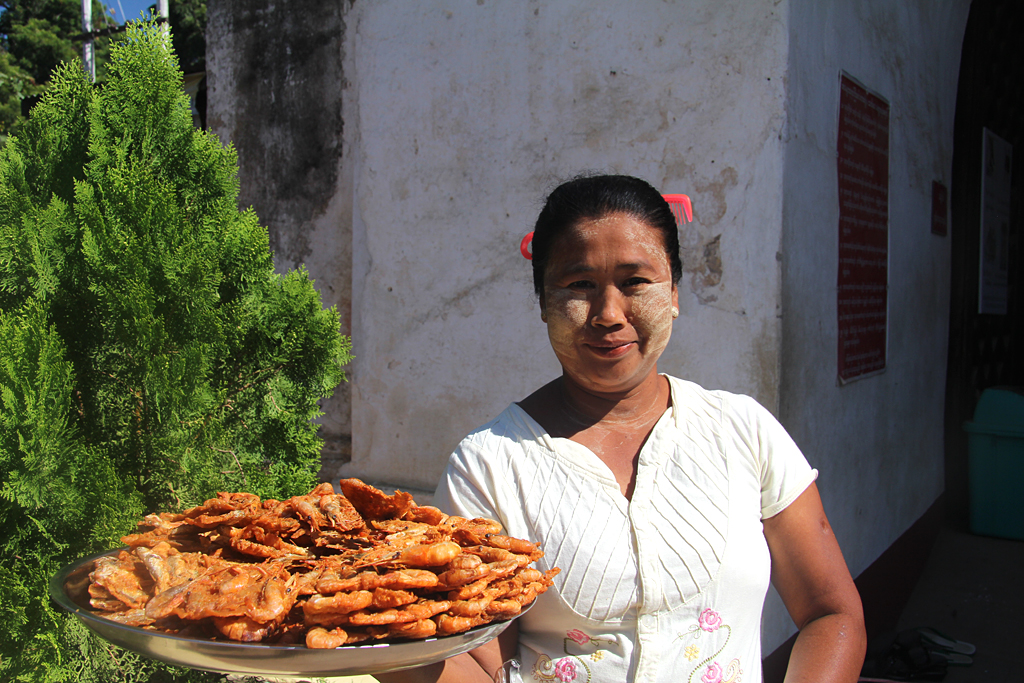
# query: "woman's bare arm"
{"type": "Point", "coordinates": [810, 574]}
{"type": "Point", "coordinates": [476, 666]}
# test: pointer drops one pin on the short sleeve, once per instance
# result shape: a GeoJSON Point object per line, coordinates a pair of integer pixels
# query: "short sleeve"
{"type": "Point", "coordinates": [784, 471]}
{"type": "Point", "coordinates": [460, 493]}
{"type": "Point", "coordinates": [471, 486]}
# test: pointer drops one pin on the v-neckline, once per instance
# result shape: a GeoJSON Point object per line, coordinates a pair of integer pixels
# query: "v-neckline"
{"type": "Point", "coordinates": [593, 461]}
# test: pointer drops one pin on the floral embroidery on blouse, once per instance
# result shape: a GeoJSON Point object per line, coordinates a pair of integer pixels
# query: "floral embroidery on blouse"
{"type": "Point", "coordinates": [714, 673]}
{"type": "Point", "coordinates": [709, 670]}
{"type": "Point", "coordinates": [709, 620]}
{"type": "Point", "coordinates": [579, 636]}
{"type": "Point", "coordinates": [571, 668]}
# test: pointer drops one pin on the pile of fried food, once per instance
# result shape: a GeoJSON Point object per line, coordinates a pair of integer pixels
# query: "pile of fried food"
{"type": "Point", "coordinates": [326, 569]}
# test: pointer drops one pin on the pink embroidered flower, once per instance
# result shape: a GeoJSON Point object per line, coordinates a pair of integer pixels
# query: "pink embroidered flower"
{"type": "Point", "coordinates": [713, 674]}
{"type": "Point", "coordinates": [579, 636]}
{"type": "Point", "coordinates": [565, 670]}
{"type": "Point", "coordinates": [709, 620]}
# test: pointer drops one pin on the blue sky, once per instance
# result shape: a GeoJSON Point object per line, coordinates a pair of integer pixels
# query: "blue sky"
{"type": "Point", "coordinates": [128, 10]}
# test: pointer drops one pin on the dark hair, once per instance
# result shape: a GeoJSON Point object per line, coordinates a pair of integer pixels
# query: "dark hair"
{"type": "Point", "coordinates": [596, 196]}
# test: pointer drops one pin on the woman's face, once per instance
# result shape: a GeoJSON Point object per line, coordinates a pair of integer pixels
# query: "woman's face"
{"type": "Point", "coordinates": [608, 301]}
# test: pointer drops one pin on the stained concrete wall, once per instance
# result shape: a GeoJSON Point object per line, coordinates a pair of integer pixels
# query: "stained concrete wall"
{"type": "Point", "coordinates": [878, 441]}
{"type": "Point", "coordinates": [274, 87]}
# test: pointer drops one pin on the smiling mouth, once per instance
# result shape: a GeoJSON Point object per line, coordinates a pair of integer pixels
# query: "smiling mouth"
{"type": "Point", "coordinates": [613, 350]}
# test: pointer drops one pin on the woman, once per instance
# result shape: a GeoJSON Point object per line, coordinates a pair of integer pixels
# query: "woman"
{"type": "Point", "coordinates": [665, 506]}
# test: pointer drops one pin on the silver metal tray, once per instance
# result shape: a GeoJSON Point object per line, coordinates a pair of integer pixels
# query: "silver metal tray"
{"type": "Point", "coordinates": [230, 657]}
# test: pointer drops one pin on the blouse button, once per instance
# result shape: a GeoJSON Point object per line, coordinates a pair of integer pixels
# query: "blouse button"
{"type": "Point", "coordinates": [647, 622]}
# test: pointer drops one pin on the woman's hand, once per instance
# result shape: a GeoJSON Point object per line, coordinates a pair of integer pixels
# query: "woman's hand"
{"type": "Point", "coordinates": [810, 574]}
{"type": "Point", "coordinates": [476, 666]}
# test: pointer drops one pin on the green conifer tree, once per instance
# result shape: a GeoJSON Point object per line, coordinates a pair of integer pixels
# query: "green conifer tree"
{"type": "Point", "coordinates": [149, 354]}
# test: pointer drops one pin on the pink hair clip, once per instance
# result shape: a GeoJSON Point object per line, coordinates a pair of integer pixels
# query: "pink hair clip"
{"type": "Point", "coordinates": [525, 246]}
{"type": "Point", "coordinates": [681, 208]}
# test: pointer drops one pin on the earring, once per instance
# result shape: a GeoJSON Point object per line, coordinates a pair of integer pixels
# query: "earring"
{"type": "Point", "coordinates": [675, 312]}
{"type": "Point", "coordinates": [543, 316]}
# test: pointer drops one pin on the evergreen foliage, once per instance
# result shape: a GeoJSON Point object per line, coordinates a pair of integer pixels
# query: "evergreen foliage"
{"type": "Point", "coordinates": [149, 355]}
{"type": "Point", "coordinates": [15, 87]}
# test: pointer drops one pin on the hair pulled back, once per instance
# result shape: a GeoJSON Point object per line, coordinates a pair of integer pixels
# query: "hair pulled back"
{"type": "Point", "coordinates": [596, 196]}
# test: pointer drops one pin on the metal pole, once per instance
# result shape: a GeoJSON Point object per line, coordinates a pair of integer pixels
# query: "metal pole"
{"type": "Point", "coordinates": [88, 56]}
{"type": "Point", "coordinates": [163, 10]}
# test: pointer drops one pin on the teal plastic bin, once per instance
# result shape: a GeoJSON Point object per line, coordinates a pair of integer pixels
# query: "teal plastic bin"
{"type": "Point", "coordinates": [996, 463]}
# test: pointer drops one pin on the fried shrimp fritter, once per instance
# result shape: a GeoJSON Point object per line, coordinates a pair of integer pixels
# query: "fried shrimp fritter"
{"type": "Point", "coordinates": [372, 503]}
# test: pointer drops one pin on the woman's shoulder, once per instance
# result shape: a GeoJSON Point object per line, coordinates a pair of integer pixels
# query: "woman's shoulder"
{"type": "Point", "coordinates": [692, 401]}
{"type": "Point", "coordinates": [685, 391]}
{"type": "Point", "coordinates": [511, 426]}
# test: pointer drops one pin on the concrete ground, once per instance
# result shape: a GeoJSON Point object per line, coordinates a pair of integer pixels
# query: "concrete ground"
{"type": "Point", "coordinates": [972, 589]}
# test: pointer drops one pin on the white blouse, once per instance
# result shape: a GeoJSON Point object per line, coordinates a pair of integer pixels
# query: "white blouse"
{"type": "Point", "coordinates": [668, 586]}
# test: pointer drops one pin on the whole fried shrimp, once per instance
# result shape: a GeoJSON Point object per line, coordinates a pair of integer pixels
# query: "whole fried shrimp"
{"type": "Point", "coordinates": [360, 634]}
{"type": "Point", "coordinates": [424, 628]}
{"type": "Point", "coordinates": [274, 598]}
{"type": "Point", "coordinates": [156, 565]}
{"type": "Point", "coordinates": [493, 554]}
{"type": "Point", "coordinates": [340, 512]}
{"type": "Point", "coordinates": [518, 546]}
{"type": "Point", "coordinates": [430, 555]}
{"type": "Point", "coordinates": [132, 617]}
{"type": "Point", "coordinates": [226, 508]}
{"type": "Point", "coordinates": [465, 561]}
{"type": "Point", "coordinates": [503, 609]}
{"type": "Point", "coordinates": [448, 625]}
{"type": "Point", "coordinates": [247, 547]}
{"type": "Point", "coordinates": [322, 639]}
{"type": "Point", "coordinates": [478, 526]}
{"type": "Point", "coordinates": [473, 607]}
{"type": "Point", "coordinates": [276, 523]}
{"type": "Point", "coordinates": [306, 510]}
{"type": "Point", "coordinates": [119, 577]}
{"type": "Point", "coordinates": [165, 603]}
{"type": "Point", "coordinates": [456, 578]}
{"type": "Point", "coordinates": [400, 579]}
{"type": "Point", "coordinates": [424, 609]}
{"type": "Point", "coordinates": [385, 598]}
{"type": "Point", "coordinates": [495, 571]}
{"type": "Point", "coordinates": [237, 517]}
{"type": "Point", "coordinates": [243, 628]}
{"type": "Point", "coordinates": [426, 514]}
{"type": "Point", "coordinates": [339, 603]}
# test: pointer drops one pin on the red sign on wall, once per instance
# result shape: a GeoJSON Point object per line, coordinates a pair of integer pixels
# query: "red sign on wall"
{"type": "Point", "coordinates": [863, 230]}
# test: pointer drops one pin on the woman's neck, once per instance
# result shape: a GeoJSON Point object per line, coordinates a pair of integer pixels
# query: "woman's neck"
{"type": "Point", "coordinates": [565, 409]}
{"type": "Point", "coordinates": [638, 406]}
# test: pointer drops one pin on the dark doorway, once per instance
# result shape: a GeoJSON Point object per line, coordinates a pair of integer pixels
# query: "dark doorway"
{"type": "Point", "coordinates": [985, 350]}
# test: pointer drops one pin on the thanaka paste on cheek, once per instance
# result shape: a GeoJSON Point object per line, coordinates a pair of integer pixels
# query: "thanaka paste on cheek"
{"type": "Point", "coordinates": [651, 315]}
{"type": "Point", "coordinates": [567, 313]}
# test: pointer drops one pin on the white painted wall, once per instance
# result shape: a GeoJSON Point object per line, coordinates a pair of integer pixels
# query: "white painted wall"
{"type": "Point", "coordinates": [461, 115]}
{"type": "Point", "coordinates": [877, 441]}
